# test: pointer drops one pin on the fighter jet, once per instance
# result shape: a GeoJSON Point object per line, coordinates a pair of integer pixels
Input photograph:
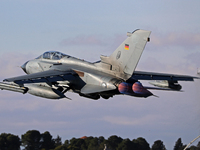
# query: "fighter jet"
{"type": "Point", "coordinates": [53, 74]}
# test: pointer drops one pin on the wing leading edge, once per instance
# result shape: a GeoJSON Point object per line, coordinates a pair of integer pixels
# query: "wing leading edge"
{"type": "Point", "coordinates": [45, 76]}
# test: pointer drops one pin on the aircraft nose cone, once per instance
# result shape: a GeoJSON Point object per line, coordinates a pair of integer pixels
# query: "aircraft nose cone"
{"type": "Point", "coordinates": [24, 67]}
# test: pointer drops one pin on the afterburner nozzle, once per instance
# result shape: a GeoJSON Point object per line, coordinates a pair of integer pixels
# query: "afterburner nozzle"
{"type": "Point", "coordinates": [133, 89]}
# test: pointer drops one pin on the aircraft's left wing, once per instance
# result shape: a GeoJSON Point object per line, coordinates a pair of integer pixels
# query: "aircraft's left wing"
{"type": "Point", "coordinates": [141, 75]}
{"type": "Point", "coordinates": [162, 80]}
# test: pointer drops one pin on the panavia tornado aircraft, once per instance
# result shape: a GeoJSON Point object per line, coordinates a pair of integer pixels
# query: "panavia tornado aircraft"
{"type": "Point", "coordinates": [53, 74]}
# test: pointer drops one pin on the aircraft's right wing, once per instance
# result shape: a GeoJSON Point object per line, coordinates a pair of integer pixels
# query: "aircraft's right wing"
{"type": "Point", "coordinates": [45, 76]}
{"type": "Point", "coordinates": [19, 84]}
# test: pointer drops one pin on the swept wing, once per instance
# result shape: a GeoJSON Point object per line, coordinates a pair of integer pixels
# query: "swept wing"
{"type": "Point", "coordinates": [45, 76]}
{"type": "Point", "coordinates": [141, 75]}
{"type": "Point", "coordinates": [162, 80]}
{"type": "Point", "coordinates": [70, 77]}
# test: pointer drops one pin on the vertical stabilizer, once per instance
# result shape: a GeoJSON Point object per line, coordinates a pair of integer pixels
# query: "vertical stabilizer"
{"type": "Point", "coordinates": [125, 58]}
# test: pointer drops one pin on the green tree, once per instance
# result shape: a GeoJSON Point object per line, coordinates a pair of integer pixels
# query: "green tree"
{"type": "Point", "coordinates": [57, 141]}
{"type": "Point", "coordinates": [31, 140]}
{"type": "Point", "coordinates": [193, 148]}
{"type": "Point", "coordinates": [47, 142]}
{"type": "Point", "coordinates": [9, 142]}
{"type": "Point", "coordinates": [198, 146]}
{"type": "Point", "coordinates": [158, 145]}
{"type": "Point", "coordinates": [66, 143]}
{"type": "Point", "coordinates": [126, 144]}
{"type": "Point", "coordinates": [113, 142]}
{"type": "Point", "coordinates": [76, 144]}
{"type": "Point", "coordinates": [141, 144]}
{"type": "Point", "coordinates": [94, 144]}
{"type": "Point", "coordinates": [179, 145]}
{"type": "Point", "coordinates": [87, 141]}
{"type": "Point", "coordinates": [101, 141]}
{"type": "Point", "coordinates": [61, 147]}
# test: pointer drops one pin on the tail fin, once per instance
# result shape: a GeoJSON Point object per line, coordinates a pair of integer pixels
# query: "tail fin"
{"type": "Point", "coordinates": [125, 58]}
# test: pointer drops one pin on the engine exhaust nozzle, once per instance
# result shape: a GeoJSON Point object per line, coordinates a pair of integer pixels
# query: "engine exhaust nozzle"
{"type": "Point", "coordinates": [134, 89]}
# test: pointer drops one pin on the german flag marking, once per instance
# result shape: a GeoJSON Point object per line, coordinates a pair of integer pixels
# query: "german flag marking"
{"type": "Point", "coordinates": [126, 47]}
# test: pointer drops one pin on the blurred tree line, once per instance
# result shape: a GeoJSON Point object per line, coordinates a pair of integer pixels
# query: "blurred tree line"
{"type": "Point", "coordinates": [34, 140]}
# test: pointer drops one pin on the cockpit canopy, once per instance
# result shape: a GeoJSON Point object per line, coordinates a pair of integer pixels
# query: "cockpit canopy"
{"type": "Point", "coordinates": [52, 55]}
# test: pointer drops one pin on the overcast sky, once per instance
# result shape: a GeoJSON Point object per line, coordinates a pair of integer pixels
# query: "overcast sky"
{"type": "Point", "coordinates": [87, 30]}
